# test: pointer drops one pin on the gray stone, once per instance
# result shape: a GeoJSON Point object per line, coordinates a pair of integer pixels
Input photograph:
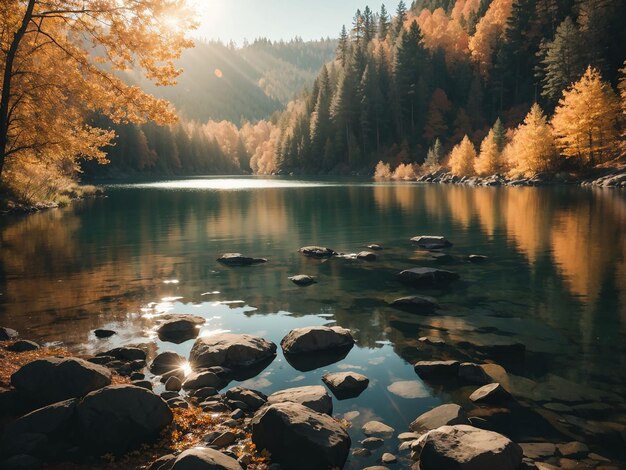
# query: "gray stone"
{"type": "Point", "coordinates": [298, 437]}
{"type": "Point", "coordinates": [314, 397]}
{"type": "Point", "coordinates": [464, 447]}
{"type": "Point", "coordinates": [431, 242]}
{"type": "Point", "coordinates": [224, 439]}
{"type": "Point", "coordinates": [143, 384]}
{"type": "Point", "coordinates": [316, 338]}
{"type": "Point", "coordinates": [346, 384]}
{"type": "Point", "coordinates": [573, 449]}
{"type": "Point", "coordinates": [442, 415]}
{"type": "Point", "coordinates": [377, 429]}
{"type": "Point", "coordinates": [417, 304]}
{"type": "Point", "coordinates": [361, 452]}
{"type": "Point", "coordinates": [375, 247]}
{"type": "Point", "coordinates": [473, 374]}
{"type": "Point", "coordinates": [53, 379]}
{"type": "Point", "coordinates": [437, 370]}
{"type": "Point", "coordinates": [252, 398]}
{"type": "Point", "coordinates": [204, 392]}
{"type": "Point", "coordinates": [317, 251]}
{"type": "Point", "coordinates": [491, 394]}
{"type": "Point", "coordinates": [7, 334]}
{"type": "Point", "coordinates": [408, 436]}
{"type": "Point", "coordinates": [237, 259]}
{"type": "Point", "coordinates": [538, 450]}
{"type": "Point", "coordinates": [23, 346]}
{"type": "Point", "coordinates": [197, 380]}
{"type": "Point", "coordinates": [231, 350]}
{"type": "Point", "coordinates": [302, 280]}
{"type": "Point", "coordinates": [118, 418]}
{"type": "Point", "coordinates": [426, 277]}
{"type": "Point", "coordinates": [125, 353]}
{"type": "Point", "coordinates": [366, 256]}
{"type": "Point", "coordinates": [173, 384]}
{"type": "Point", "coordinates": [388, 458]}
{"type": "Point", "coordinates": [372, 443]}
{"type": "Point", "coordinates": [180, 328]}
{"type": "Point", "coordinates": [203, 458]}
{"type": "Point", "coordinates": [166, 362]}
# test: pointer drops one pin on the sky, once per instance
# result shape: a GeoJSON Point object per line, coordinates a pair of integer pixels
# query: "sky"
{"type": "Point", "coordinates": [277, 19]}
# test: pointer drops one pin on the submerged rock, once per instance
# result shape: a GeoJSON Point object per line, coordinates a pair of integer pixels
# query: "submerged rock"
{"type": "Point", "coordinates": [366, 256]}
{"type": "Point", "coordinates": [431, 242]}
{"type": "Point", "coordinates": [437, 370]}
{"type": "Point", "coordinates": [54, 379]}
{"type": "Point", "coordinates": [464, 447]}
{"type": "Point", "coordinates": [180, 328]}
{"type": "Point", "coordinates": [346, 384]}
{"type": "Point", "coordinates": [426, 277]}
{"type": "Point", "coordinates": [231, 350]}
{"type": "Point", "coordinates": [477, 258]}
{"type": "Point", "coordinates": [166, 362]}
{"type": "Point", "coordinates": [302, 280]}
{"type": "Point", "coordinates": [298, 437]}
{"type": "Point", "coordinates": [375, 247]}
{"type": "Point", "coordinates": [204, 458]}
{"type": "Point", "coordinates": [118, 418]}
{"type": "Point", "coordinates": [418, 304]}
{"type": "Point", "coordinates": [23, 346]}
{"type": "Point", "coordinates": [237, 259]}
{"type": "Point", "coordinates": [314, 397]}
{"type": "Point", "coordinates": [442, 415]}
{"type": "Point", "coordinates": [316, 338]}
{"type": "Point", "coordinates": [102, 333]}
{"type": "Point", "coordinates": [317, 251]}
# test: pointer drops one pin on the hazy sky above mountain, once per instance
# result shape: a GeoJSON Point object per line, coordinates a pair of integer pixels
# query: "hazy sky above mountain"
{"type": "Point", "coordinates": [277, 19]}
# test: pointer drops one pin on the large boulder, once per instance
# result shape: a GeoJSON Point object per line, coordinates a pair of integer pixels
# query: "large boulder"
{"type": "Point", "coordinates": [118, 418]}
{"type": "Point", "coordinates": [316, 338]}
{"type": "Point", "coordinates": [180, 328]}
{"type": "Point", "coordinates": [237, 259]}
{"type": "Point", "coordinates": [52, 379]}
{"type": "Point", "coordinates": [204, 458]}
{"type": "Point", "coordinates": [431, 242]}
{"type": "Point", "coordinates": [491, 394]}
{"type": "Point", "coordinates": [202, 379]}
{"type": "Point", "coordinates": [298, 437]}
{"type": "Point", "coordinates": [443, 415]}
{"type": "Point", "coordinates": [166, 362]}
{"type": "Point", "coordinates": [426, 277]}
{"type": "Point", "coordinates": [346, 384]}
{"type": "Point", "coordinates": [45, 432]}
{"type": "Point", "coordinates": [314, 397]}
{"type": "Point", "coordinates": [317, 251]}
{"type": "Point", "coordinates": [231, 350]}
{"type": "Point", "coordinates": [418, 304]}
{"type": "Point", "coordinates": [464, 447]}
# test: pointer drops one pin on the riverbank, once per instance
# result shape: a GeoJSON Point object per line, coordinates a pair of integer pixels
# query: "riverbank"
{"type": "Point", "coordinates": [12, 205]}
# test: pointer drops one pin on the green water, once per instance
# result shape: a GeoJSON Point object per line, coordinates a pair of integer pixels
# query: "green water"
{"type": "Point", "coordinates": [554, 281]}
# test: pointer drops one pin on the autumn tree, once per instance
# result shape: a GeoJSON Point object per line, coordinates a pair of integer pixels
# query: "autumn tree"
{"type": "Point", "coordinates": [52, 56]}
{"type": "Point", "coordinates": [433, 157]}
{"type": "Point", "coordinates": [462, 158]}
{"type": "Point", "coordinates": [586, 120]}
{"type": "Point", "coordinates": [532, 149]}
{"type": "Point", "coordinates": [489, 160]}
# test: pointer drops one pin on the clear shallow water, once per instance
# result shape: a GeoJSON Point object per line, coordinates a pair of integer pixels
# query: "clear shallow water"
{"type": "Point", "coordinates": [554, 281]}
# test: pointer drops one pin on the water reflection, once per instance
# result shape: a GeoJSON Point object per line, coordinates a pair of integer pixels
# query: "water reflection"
{"type": "Point", "coordinates": [553, 281]}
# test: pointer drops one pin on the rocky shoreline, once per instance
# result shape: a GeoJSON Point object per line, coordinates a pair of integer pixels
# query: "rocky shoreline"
{"type": "Point", "coordinates": [128, 408]}
{"type": "Point", "coordinates": [608, 178]}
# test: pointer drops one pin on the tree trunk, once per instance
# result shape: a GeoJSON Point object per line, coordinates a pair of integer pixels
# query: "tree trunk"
{"type": "Point", "coordinates": [6, 83]}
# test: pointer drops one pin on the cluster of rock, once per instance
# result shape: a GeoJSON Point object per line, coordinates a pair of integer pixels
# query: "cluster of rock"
{"type": "Point", "coordinates": [612, 178]}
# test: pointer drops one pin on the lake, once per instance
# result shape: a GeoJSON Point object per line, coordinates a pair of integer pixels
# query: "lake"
{"type": "Point", "coordinates": [554, 281]}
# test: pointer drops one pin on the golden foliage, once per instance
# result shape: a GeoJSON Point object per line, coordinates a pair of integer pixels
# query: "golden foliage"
{"type": "Point", "coordinates": [532, 148]}
{"type": "Point", "coordinates": [489, 160]}
{"type": "Point", "coordinates": [442, 32]}
{"type": "Point", "coordinates": [64, 67]}
{"type": "Point", "coordinates": [586, 120]}
{"type": "Point", "coordinates": [10, 361]}
{"type": "Point", "coordinates": [463, 158]}
{"type": "Point", "coordinates": [489, 31]}
{"type": "Point", "coordinates": [382, 171]}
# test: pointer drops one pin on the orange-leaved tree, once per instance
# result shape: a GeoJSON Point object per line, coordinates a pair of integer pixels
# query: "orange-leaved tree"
{"type": "Point", "coordinates": [586, 120]}
{"type": "Point", "coordinates": [60, 61]}
{"type": "Point", "coordinates": [463, 158]}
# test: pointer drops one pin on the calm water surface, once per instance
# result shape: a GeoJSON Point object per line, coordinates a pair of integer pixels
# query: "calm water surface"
{"type": "Point", "coordinates": [554, 281]}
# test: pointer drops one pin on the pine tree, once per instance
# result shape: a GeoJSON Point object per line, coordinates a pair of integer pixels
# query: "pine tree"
{"type": "Point", "coordinates": [343, 47]}
{"type": "Point", "coordinates": [398, 21]}
{"type": "Point", "coordinates": [532, 149]}
{"type": "Point", "coordinates": [586, 119]}
{"type": "Point", "coordinates": [369, 25]}
{"type": "Point", "coordinates": [462, 158]}
{"type": "Point", "coordinates": [384, 23]}
{"type": "Point", "coordinates": [499, 135]}
{"type": "Point", "coordinates": [320, 119]}
{"type": "Point", "coordinates": [358, 27]}
{"type": "Point", "coordinates": [436, 119]}
{"type": "Point", "coordinates": [433, 158]}
{"type": "Point", "coordinates": [561, 61]}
